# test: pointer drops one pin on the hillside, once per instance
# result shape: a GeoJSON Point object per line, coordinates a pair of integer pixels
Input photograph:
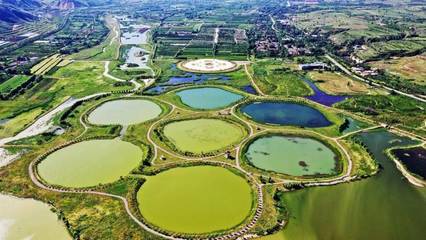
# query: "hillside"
{"type": "Point", "coordinates": [69, 4]}
{"type": "Point", "coordinates": [10, 14]}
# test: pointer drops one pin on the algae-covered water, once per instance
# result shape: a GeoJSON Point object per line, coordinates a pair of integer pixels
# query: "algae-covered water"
{"type": "Point", "coordinates": [385, 206]}
{"type": "Point", "coordinates": [125, 112]}
{"type": "Point", "coordinates": [203, 135]}
{"type": "Point", "coordinates": [29, 219]}
{"type": "Point", "coordinates": [291, 155]}
{"type": "Point", "coordinates": [195, 199]}
{"type": "Point", "coordinates": [90, 163]}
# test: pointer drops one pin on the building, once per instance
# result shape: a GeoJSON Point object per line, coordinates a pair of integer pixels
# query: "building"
{"type": "Point", "coordinates": [313, 66]}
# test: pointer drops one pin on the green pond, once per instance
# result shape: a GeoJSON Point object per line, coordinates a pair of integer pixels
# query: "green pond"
{"type": "Point", "coordinates": [291, 155]}
{"type": "Point", "coordinates": [90, 163]}
{"type": "Point", "coordinates": [197, 199]}
{"type": "Point", "coordinates": [203, 135]}
{"type": "Point", "coordinates": [385, 206]}
{"type": "Point", "coordinates": [125, 112]}
{"type": "Point", "coordinates": [29, 219]}
{"type": "Point", "coordinates": [208, 97]}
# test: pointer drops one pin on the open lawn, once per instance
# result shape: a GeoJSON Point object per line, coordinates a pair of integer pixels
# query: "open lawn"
{"type": "Point", "coordinates": [337, 83]}
{"type": "Point", "coordinates": [410, 68]}
{"type": "Point", "coordinates": [198, 199]}
{"type": "Point", "coordinates": [203, 135]}
{"type": "Point", "coordinates": [81, 79]}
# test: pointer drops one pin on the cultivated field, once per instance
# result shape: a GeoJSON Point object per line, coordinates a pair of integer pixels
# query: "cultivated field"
{"type": "Point", "coordinates": [410, 68]}
{"type": "Point", "coordinates": [46, 65]}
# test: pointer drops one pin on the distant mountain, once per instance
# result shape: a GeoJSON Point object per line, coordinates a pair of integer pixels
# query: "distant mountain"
{"type": "Point", "coordinates": [11, 14]}
{"type": "Point", "coordinates": [69, 4]}
{"type": "Point", "coordinates": [25, 4]}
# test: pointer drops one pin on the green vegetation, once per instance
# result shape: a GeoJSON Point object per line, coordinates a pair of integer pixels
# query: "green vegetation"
{"type": "Point", "coordinates": [13, 83]}
{"type": "Point", "coordinates": [382, 50]}
{"type": "Point", "coordinates": [109, 48]}
{"type": "Point", "coordinates": [274, 79]}
{"type": "Point", "coordinates": [393, 110]}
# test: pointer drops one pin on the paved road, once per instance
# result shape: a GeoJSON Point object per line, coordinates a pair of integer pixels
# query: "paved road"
{"type": "Point", "coordinates": [372, 83]}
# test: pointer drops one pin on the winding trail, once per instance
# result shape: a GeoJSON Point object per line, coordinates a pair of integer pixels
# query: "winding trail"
{"type": "Point", "coordinates": [137, 85]}
{"type": "Point", "coordinates": [252, 81]}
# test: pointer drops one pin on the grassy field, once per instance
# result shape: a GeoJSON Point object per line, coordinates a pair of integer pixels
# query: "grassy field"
{"type": "Point", "coordinates": [337, 83]}
{"type": "Point", "coordinates": [13, 83]}
{"type": "Point", "coordinates": [14, 125]}
{"type": "Point", "coordinates": [81, 79]}
{"type": "Point", "coordinates": [203, 135]}
{"type": "Point", "coordinates": [273, 79]}
{"type": "Point", "coordinates": [410, 68]}
{"type": "Point", "coordinates": [195, 199]}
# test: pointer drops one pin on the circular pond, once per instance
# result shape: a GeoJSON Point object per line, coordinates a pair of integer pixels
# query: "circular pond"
{"type": "Point", "coordinates": [208, 65]}
{"type": "Point", "coordinates": [208, 97]}
{"type": "Point", "coordinates": [89, 163]}
{"type": "Point", "coordinates": [297, 156]}
{"type": "Point", "coordinates": [125, 112]}
{"type": "Point", "coordinates": [197, 199]}
{"type": "Point", "coordinates": [203, 135]}
{"type": "Point", "coordinates": [285, 113]}
{"type": "Point", "coordinates": [29, 219]}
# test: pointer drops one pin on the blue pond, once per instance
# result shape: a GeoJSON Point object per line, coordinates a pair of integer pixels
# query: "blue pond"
{"type": "Point", "coordinates": [188, 78]}
{"type": "Point", "coordinates": [208, 97]}
{"type": "Point", "coordinates": [284, 113]}
{"type": "Point", "coordinates": [322, 97]}
{"type": "Point", "coordinates": [249, 89]}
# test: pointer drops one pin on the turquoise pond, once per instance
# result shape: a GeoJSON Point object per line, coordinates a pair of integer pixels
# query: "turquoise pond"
{"type": "Point", "coordinates": [208, 98]}
{"type": "Point", "coordinates": [285, 113]}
